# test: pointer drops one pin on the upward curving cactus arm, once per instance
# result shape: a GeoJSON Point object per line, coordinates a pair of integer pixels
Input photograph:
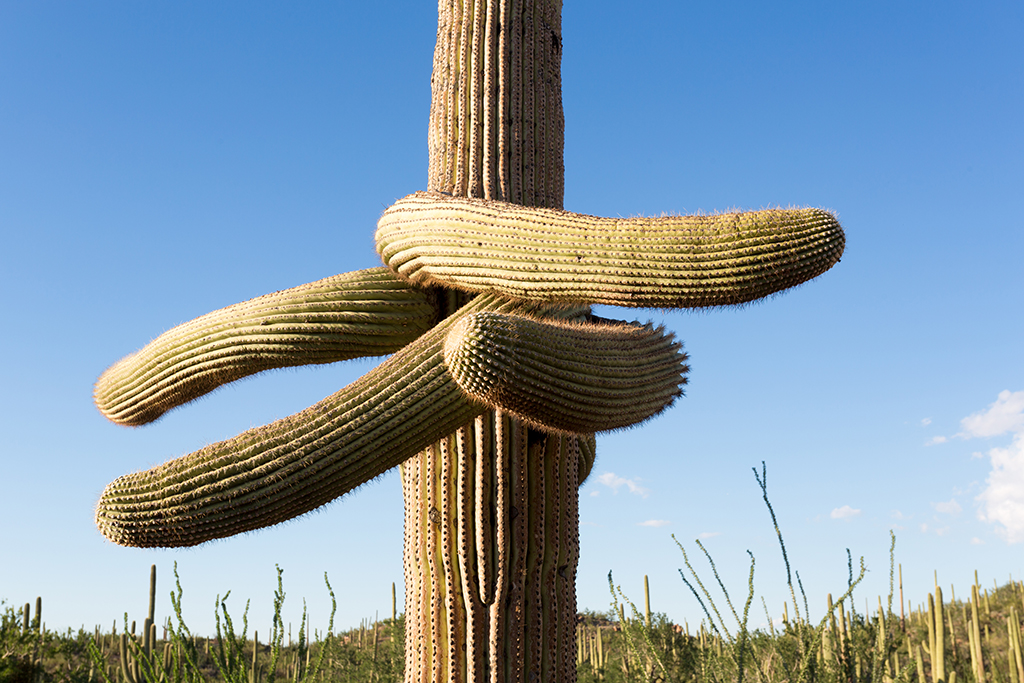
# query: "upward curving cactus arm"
{"type": "Point", "coordinates": [364, 313]}
{"type": "Point", "coordinates": [274, 473]}
{"type": "Point", "coordinates": [551, 255]}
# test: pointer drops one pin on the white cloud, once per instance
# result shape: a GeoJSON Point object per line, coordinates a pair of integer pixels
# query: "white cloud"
{"type": "Point", "coordinates": [595, 493]}
{"type": "Point", "coordinates": [1005, 415]}
{"type": "Point", "coordinates": [655, 522]}
{"type": "Point", "coordinates": [709, 534]}
{"type": "Point", "coordinates": [936, 439]}
{"type": "Point", "coordinates": [615, 482]}
{"type": "Point", "coordinates": [950, 508]}
{"type": "Point", "coordinates": [1002, 501]}
{"type": "Point", "coordinates": [977, 541]}
{"type": "Point", "coordinates": [925, 422]}
{"type": "Point", "coordinates": [845, 512]}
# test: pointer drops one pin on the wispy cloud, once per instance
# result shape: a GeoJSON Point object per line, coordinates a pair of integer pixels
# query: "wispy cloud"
{"type": "Point", "coordinates": [655, 522]}
{"type": "Point", "coordinates": [845, 512]}
{"type": "Point", "coordinates": [1002, 501]}
{"type": "Point", "coordinates": [938, 531]}
{"type": "Point", "coordinates": [935, 440]}
{"type": "Point", "coordinates": [926, 421]}
{"type": "Point", "coordinates": [950, 507]}
{"type": "Point", "coordinates": [708, 534]}
{"type": "Point", "coordinates": [615, 482]}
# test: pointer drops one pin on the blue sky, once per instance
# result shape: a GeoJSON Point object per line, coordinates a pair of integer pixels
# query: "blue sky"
{"type": "Point", "coordinates": [161, 160]}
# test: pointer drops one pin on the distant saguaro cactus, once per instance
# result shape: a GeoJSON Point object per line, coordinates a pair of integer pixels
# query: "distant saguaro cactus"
{"type": "Point", "coordinates": [499, 375]}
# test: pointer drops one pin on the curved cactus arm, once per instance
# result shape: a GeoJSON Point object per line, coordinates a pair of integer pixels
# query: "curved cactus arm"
{"type": "Point", "coordinates": [566, 376]}
{"type": "Point", "coordinates": [551, 255]}
{"type": "Point", "coordinates": [273, 473]}
{"type": "Point", "coordinates": [276, 472]}
{"type": "Point", "coordinates": [364, 313]}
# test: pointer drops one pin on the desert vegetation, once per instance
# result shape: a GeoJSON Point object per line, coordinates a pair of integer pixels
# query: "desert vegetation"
{"type": "Point", "coordinates": [975, 638]}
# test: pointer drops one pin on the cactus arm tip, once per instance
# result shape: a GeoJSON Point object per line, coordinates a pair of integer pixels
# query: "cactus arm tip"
{"type": "Point", "coordinates": [566, 376]}
{"type": "Point", "coordinates": [364, 313]}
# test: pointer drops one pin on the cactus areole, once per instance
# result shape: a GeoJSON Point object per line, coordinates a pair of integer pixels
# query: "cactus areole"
{"type": "Point", "coordinates": [498, 375]}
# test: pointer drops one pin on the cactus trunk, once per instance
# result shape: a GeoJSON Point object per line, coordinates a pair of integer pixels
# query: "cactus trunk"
{"type": "Point", "coordinates": [491, 523]}
{"type": "Point", "coordinates": [491, 546]}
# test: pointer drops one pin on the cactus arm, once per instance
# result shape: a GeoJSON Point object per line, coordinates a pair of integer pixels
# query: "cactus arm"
{"type": "Point", "coordinates": [557, 376]}
{"type": "Point", "coordinates": [551, 255]}
{"type": "Point", "coordinates": [365, 313]}
{"type": "Point", "coordinates": [566, 376]}
{"type": "Point", "coordinates": [271, 474]}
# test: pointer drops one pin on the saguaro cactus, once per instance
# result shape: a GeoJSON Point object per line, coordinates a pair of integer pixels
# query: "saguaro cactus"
{"type": "Point", "coordinates": [499, 375]}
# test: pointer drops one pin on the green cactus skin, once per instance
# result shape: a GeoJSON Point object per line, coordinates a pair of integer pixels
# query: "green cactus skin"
{"type": "Point", "coordinates": [586, 377]}
{"type": "Point", "coordinates": [273, 473]}
{"type": "Point", "coordinates": [549, 255]}
{"type": "Point", "coordinates": [127, 673]}
{"type": "Point", "coordinates": [365, 313]}
{"type": "Point", "coordinates": [491, 547]}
